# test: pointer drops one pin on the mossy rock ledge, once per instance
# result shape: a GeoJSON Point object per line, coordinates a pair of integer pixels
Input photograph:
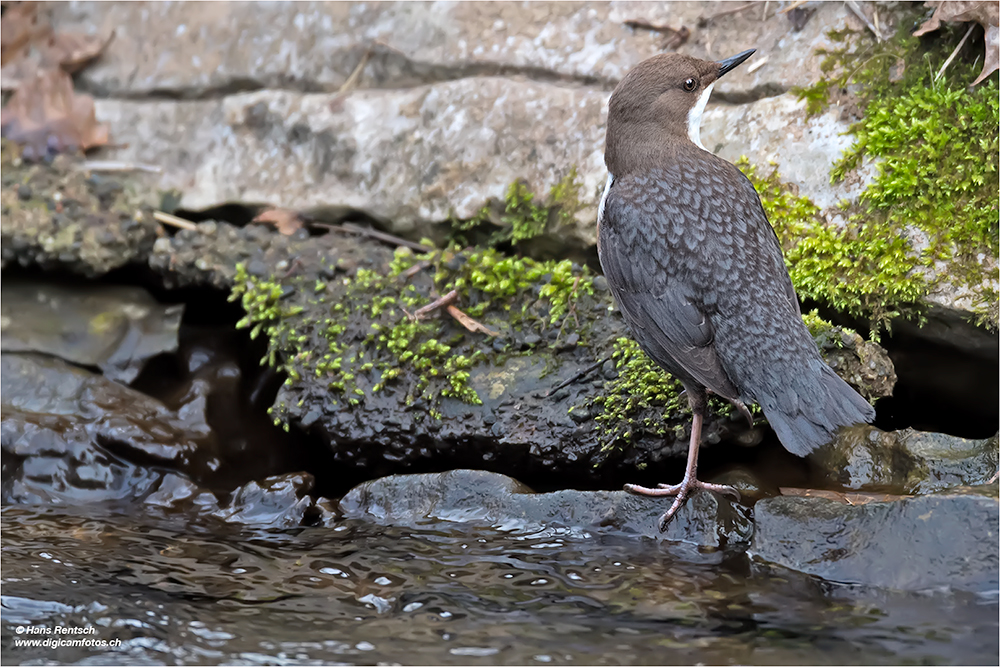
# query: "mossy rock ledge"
{"type": "Point", "coordinates": [388, 393]}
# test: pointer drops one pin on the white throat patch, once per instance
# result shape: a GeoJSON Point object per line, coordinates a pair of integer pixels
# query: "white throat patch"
{"type": "Point", "coordinates": [694, 116]}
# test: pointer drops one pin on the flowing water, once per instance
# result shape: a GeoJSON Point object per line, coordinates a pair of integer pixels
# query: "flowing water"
{"type": "Point", "coordinates": [170, 589]}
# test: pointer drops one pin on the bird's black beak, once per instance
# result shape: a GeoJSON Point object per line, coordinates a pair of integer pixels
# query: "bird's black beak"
{"type": "Point", "coordinates": [732, 63]}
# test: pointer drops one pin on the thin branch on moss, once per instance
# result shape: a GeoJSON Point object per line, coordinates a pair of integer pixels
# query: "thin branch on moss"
{"type": "Point", "coordinates": [413, 270]}
{"type": "Point", "coordinates": [348, 228]}
{"type": "Point", "coordinates": [954, 53]}
{"type": "Point", "coordinates": [469, 323]}
{"type": "Point", "coordinates": [440, 302]}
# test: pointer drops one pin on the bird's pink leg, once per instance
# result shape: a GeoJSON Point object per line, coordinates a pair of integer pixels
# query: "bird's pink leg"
{"type": "Point", "coordinates": [690, 481]}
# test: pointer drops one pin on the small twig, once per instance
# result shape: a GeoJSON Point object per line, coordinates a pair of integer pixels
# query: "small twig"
{"type": "Point", "coordinates": [295, 264]}
{"type": "Point", "coordinates": [111, 165]}
{"type": "Point", "coordinates": [579, 376]}
{"type": "Point", "coordinates": [955, 52]}
{"type": "Point", "coordinates": [434, 305]}
{"type": "Point", "coordinates": [412, 271]}
{"type": "Point", "coordinates": [174, 221]}
{"type": "Point", "coordinates": [469, 323]}
{"type": "Point", "coordinates": [862, 65]}
{"type": "Point", "coordinates": [572, 304]}
{"type": "Point", "coordinates": [356, 74]}
{"type": "Point", "coordinates": [447, 302]}
{"type": "Point", "coordinates": [856, 9]}
{"type": "Point", "coordinates": [349, 228]}
{"type": "Point", "coordinates": [646, 25]}
{"type": "Point", "coordinates": [673, 37]}
{"type": "Point", "coordinates": [571, 310]}
{"type": "Point", "coordinates": [794, 5]}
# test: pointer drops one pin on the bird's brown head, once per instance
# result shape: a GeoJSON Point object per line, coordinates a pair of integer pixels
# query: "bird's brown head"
{"type": "Point", "coordinates": [660, 101]}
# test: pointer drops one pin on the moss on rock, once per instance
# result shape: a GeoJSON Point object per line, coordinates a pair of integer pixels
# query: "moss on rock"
{"type": "Point", "coordinates": [931, 213]}
{"type": "Point", "coordinates": [371, 338]}
{"type": "Point", "coordinates": [522, 215]}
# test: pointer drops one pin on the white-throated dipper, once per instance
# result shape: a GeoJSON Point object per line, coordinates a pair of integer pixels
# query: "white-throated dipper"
{"type": "Point", "coordinates": [697, 270]}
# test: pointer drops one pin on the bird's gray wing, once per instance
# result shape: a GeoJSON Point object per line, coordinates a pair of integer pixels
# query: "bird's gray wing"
{"type": "Point", "coordinates": [751, 198]}
{"type": "Point", "coordinates": [658, 305]}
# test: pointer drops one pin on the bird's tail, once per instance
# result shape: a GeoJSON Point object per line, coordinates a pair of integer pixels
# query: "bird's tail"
{"type": "Point", "coordinates": [804, 423]}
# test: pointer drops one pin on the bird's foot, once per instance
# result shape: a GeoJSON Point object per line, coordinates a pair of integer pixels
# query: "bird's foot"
{"type": "Point", "coordinates": [682, 491]}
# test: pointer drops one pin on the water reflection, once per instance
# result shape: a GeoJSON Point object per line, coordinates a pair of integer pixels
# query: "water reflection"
{"type": "Point", "coordinates": [202, 591]}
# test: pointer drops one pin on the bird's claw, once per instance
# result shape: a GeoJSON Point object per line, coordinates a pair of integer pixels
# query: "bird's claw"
{"type": "Point", "coordinates": [681, 491]}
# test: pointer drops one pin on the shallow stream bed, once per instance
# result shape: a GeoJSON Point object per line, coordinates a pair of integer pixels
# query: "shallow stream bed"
{"type": "Point", "coordinates": [178, 589]}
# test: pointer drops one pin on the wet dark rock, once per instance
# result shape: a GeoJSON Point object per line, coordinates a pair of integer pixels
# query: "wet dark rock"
{"type": "Point", "coordinates": [865, 365]}
{"type": "Point", "coordinates": [918, 543]}
{"type": "Point", "coordinates": [750, 486]}
{"type": "Point", "coordinates": [863, 458]}
{"type": "Point", "coordinates": [568, 343]}
{"type": "Point", "coordinates": [113, 328]}
{"type": "Point", "coordinates": [177, 492]}
{"type": "Point", "coordinates": [70, 436]}
{"type": "Point", "coordinates": [514, 389]}
{"type": "Point", "coordinates": [277, 502]}
{"type": "Point", "coordinates": [483, 498]}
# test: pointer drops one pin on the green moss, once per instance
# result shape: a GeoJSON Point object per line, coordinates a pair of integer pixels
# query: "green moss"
{"type": "Point", "coordinates": [936, 142]}
{"type": "Point", "coordinates": [644, 398]}
{"type": "Point", "coordinates": [369, 340]}
{"type": "Point", "coordinates": [641, 385]}
{"type": "Point", "coordinates": [521, 217]}
{"type": "Point", "coordinates": [524, 219]}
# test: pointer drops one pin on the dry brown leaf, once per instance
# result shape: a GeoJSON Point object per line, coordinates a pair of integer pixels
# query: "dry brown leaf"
{"type": "Point", "coordinates": [29, 45]}
{"type": "Point", "coordinates": [72, 50]}
{"type": "Point", "coordinates": [21, 26]}
{"type": "Point", "coordinates": [47, 116]}
{"type": "Point", "coordinates": [285, 220]}
{"type": "Point", "coordinates": [985, 13]}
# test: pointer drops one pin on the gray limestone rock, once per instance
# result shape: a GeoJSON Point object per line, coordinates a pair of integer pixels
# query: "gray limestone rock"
{"type": "Point", "coordinates": [417, 113]}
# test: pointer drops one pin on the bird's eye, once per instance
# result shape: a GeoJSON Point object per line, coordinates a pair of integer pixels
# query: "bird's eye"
{"type": "Point", "coordinates": [690, 85]}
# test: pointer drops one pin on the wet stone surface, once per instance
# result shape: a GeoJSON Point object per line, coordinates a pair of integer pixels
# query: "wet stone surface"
{"type": "Point", "coordinates": [905, 461]}
{"type": "Point", "coordinates": [946, 540]}
{"type": "Point", "coordinates": [115, 328]}
{"type": "Point", "coordinates": [468, 496]}
{"type": "Point", "coordinates": [71, 436]}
